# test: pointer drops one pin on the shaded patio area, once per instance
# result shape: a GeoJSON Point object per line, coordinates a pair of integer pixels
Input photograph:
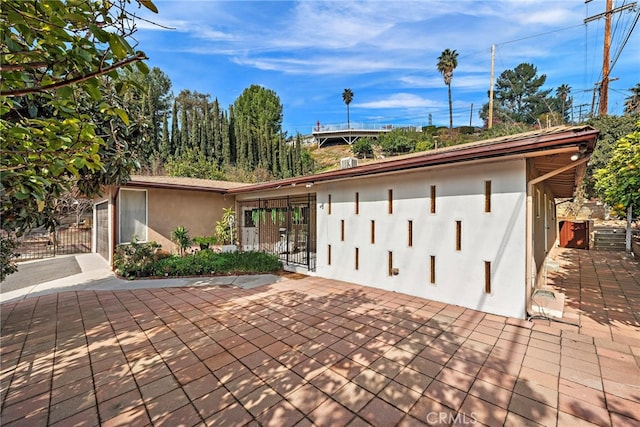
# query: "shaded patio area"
{"type": "Point", "coordinates": [321, 352]}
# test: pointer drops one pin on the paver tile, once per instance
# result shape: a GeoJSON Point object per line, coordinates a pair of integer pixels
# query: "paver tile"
{"type": "Point", "coordinates": [330, 413]}
{"type": "Point", "coordinates": [320, 351]}
{"type": "Point", "coordinates": [480, 410]}
{"type": "Point", "coordinates": [380, 413]}
{"type": "Point", "coordinates": [583, 410]}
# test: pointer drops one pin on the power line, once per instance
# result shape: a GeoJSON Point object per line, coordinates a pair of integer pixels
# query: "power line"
{"type": "Point", "coordinates": [539, 35]}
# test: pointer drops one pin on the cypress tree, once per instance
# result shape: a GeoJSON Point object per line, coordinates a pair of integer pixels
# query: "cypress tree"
{"type": "Point", "coordinates": [164, 144]}
{"type": "Point", "coordinates": [175, 131]}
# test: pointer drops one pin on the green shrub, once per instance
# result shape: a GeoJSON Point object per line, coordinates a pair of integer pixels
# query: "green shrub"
{"type": "Point", "coordinates": [424, 145]}
{"type": "Point", "coordinates": [180, 237]}
{"type": "Point", "coordinates": [136, 259]}
{"type": "Point", "coordinates": [7, 257]}
{"type": "Point", "coordinates": [205, 241]}
{"type": "Point", "coordinates": [396, 142]}
{"type": "Point", "coordinates": [225, 232]}
{"type": "Point", "coordinates": [363, 147]}
{"type": "Point", "coordinates": [209, 262]}
{"type": "Point", "coordinates": [467, 130]}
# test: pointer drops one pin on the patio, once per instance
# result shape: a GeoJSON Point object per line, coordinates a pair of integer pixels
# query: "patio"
{"type": "Point", "coordinates": [321, 352]}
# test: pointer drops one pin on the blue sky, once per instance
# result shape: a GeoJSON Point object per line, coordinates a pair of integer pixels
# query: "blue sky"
{"type": "Point", "coordinates": [308, 52]}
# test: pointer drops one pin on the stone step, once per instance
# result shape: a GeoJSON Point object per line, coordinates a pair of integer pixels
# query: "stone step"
{"type": "Point", "coordinates": [607, 239]}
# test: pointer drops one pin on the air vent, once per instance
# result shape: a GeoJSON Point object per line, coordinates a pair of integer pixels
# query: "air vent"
{"type": "Point", "coordinates": [348, 162]}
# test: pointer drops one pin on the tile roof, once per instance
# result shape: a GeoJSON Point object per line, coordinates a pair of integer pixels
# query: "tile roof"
{"type": "Point", "coordinates": [171, 182]}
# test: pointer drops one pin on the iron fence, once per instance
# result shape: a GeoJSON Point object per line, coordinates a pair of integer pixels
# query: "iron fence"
{"type": "Point", "coordinates": [65, 240]}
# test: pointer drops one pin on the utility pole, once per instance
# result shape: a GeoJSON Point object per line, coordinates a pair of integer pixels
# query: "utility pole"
{"type": "Point", "coordinates": [493, 61]}
{"type": "Point", "coordinates": [604, 84]}
{"type": "Point", "coordinates": [471, 115]}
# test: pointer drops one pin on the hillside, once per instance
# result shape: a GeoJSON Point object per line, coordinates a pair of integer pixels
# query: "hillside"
{"type": "Point", "coordinates": [328, 157]}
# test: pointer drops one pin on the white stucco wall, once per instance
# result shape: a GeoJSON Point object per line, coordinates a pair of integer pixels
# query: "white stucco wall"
{"type": "Point", "coordinates": [497, 237]}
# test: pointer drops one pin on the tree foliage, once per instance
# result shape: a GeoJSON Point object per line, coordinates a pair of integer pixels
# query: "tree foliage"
{"type": "Point", "coordinates": [519, 97]}
{"type": "Point", "coordinates": [632, 103]}
{"type": "Point", "coordinates": [401, 141]}
{"type": "Point", "coordinates": [363, 147]}
{"type": "Point", "coordinates": [447, 62]}
{"type": "Point", "coordinates": [347, 97]}
{"type": "Point", "coordinates": [63, 113]}
{"type": "Point", "coordinates": [64, 118]}
{"type": "Point", "coordinates": [618, 183]}
{"type": "Point", "coordinates": [611, 128]}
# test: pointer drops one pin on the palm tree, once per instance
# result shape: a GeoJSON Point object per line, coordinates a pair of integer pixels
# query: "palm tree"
{"type": "Point", "coordinates": [632, 103]}
{"type": "Point", "coordinates": [447, 62]}
{"type": "Point", "coordinates": [347, 97]}
{"type": "Point", "coordinates": [563, 92]}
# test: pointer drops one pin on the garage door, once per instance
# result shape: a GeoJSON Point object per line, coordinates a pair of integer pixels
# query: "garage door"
{"type": "Point", "coordinates": [102, 229]}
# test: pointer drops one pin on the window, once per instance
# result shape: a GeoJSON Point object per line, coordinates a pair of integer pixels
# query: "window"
{"type": "Point", "coordinates": [373, 232]}
{"type": "Point", "coordinates": [458, 235]}
{"type": "Point", "coordinates": [357, 260]}
{"type": "Point", "coordinates": [544, 205]}
{"type": "Point", "coordinates": [487, 277]}
{"type": "Point", "coordinates": [410, 233]}
{"type": "Point", "coordinates": [538, 203]}
{"type": "Point", "coordinates": [342, 230]}
{"type": "Point", "coordinates": [487, 196]}
{"type": "Point", "coordinates": [390, 263]}
{"type": "Point", "coordinates": [357, 203]}
{"type": "Point", "coordinates": [329, 203]}
{"type": "Point", "coordinates": [433, 199]}
{"type": "Point", "coordinates": [432, 275]}
{"type": "Point", "coordinates": [133, 215]}
{"type": "Point", "coordinates": [328, 254]}
{"type": "Point", "coordinates": [390, 201]}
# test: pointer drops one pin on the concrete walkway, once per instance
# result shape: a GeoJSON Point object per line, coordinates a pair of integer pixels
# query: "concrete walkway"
{"type": "Point", "coordinates": [321, 352]}
{"type": "Point", "coordinates": [97, 276]}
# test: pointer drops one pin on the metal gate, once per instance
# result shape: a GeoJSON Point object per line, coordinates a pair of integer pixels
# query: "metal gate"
{"type": "Point", "coordinates": [284, 226]}
{"type": "Point", "coordinates": [65, 240]}
{"type": "Point", "coordinates": [102, 229]}
{"type": "Point", "coordinates": [574, 234]}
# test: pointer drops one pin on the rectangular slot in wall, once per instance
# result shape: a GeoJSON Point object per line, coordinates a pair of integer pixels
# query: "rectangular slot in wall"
{"type": "Point", "coordinates": [329, 203]}
{"type": "Point", "coordinates": [373, 231]}
{"type": "Point", "coordinates": [458, 235]}
{"type": "Point", "coordinates": [432, 269]}
{"type": "Point", "coordinates": [357, 203]}
{"type": "Point", "coordinates": [487, 196]}
{"type": "Point", "coordinates": [410, 233]}
{"type": "Point", "coordinates": [342, 230]}
{"type": "Point", "coordinates": [357, 260]}
{"type": "Point", "coordinates": [390, 201]}
{"type": "Point", "coordinates": [433, 199]}
{"type": "Point", "coordinates": [328, 254]}
{"type": "Point", "coordinates": [390, 263]}
{"type": "Point", "coordinates": [487, 277]}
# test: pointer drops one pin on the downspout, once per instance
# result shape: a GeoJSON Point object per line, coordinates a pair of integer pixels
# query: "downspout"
{"type": "Point", "coordinates": [530, 275]}
{"type": "Point", "coordinates": [114, 221]}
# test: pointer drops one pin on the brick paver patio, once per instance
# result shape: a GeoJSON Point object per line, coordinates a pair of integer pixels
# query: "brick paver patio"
{"type": "Point", "coordinates": [321, 352]}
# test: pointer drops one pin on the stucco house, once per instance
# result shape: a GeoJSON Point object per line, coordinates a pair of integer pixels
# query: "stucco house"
{"type": "Point", "coordinates": [469, 225]}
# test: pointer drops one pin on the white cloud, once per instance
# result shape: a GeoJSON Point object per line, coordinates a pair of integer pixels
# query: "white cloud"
{"type": "Point", "coordinates": [399, 100]}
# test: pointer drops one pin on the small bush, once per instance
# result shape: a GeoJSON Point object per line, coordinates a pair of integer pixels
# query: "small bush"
{"type": "Point", "coordinates": [180, 237]}
{"type": "Point", "coordinates": [363, 147]}
{"type": "Point", "coordinates": [136, 259]}
{"type": "Point", "coordinates": [209, 262]}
